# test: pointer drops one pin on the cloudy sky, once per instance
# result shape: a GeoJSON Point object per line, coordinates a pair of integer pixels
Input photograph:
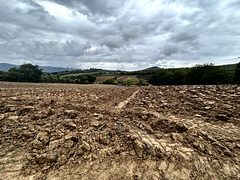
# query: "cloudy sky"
{"type": "Point", "coordinates": [120, 34]}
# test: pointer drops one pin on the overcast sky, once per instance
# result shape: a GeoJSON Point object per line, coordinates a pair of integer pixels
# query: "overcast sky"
{"type": "Point", "coordinates": [120, 34]}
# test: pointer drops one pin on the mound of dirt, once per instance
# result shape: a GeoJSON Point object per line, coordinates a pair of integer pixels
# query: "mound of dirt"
{"type": "Point", "coordinates": [56, 131]}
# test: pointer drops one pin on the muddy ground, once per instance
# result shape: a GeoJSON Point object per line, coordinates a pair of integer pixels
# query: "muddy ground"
{"type": "Point", "coordinates": [66, 131]}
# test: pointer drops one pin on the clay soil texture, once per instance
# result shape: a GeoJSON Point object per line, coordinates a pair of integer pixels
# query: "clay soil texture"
{"type": "Point", "coordinates": [66, 131]}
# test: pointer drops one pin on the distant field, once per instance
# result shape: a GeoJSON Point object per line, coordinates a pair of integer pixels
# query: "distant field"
{"type": "Point", "coordinates": [100, 79]}
{"type": "Point", "coordinates": [124, 78]}
{"type": "Point", "coordinates": [77, 74]}
{"type": "Point", "coordinates": [97, 73]}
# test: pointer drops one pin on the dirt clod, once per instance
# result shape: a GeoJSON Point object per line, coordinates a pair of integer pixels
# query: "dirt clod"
{"type": "Point", "coordinates": [222, 117]}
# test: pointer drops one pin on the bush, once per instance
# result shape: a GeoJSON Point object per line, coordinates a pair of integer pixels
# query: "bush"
{"type": "Point", "coordinates": [90, 79]}
{"type": "Point", "coordinates": [112, 80]}
{"type": "Point", "coordinates": [141, 82]}
{"type": "Point", "coordinates": [81, 79]}
{"type": "Point", "coordinates": [128, 82]}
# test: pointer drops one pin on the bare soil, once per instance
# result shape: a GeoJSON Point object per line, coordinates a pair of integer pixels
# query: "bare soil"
{"type": "Point", "coordinates": [66, 131]}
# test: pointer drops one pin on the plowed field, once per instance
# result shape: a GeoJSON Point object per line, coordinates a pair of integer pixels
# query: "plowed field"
{"type": "Point", "coordinates": [65, 131]}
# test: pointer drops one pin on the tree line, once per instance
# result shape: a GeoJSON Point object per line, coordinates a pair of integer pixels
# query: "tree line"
{"type": "Point", "coordinates": [25, 73]}
{"type": "Point", "coordinates": [32, 73]}
{"type": "Point", "coordinates": [199, 74]}
{"type": "Point", "coordinates": [205, 74]}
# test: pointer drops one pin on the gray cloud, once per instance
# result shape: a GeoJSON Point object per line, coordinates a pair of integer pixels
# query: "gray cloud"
{"type": "Point", "coordinates": [93, 7]}
{"type": "Point", "coordinates": [113, 41]}
{"type": "Point", "coordinates": [172, 49]}
{"type": "Point", "coordinates": [105, 7]}
{"type": "Point", "coordinates": [132, 32]}
{"type": "Point", "coordinates": [185, 36]}
{"type": "Point", "coordinates": [127, 34]}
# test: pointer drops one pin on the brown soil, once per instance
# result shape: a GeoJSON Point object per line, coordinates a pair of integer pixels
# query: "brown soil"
{"type": "Point", "coordinates": [65, 131]}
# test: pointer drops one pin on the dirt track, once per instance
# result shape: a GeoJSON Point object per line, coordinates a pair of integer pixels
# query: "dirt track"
{"type": "Point", "coordinates": [56, 131]}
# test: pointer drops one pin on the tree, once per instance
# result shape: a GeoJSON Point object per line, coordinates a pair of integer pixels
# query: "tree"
{"type": "Point", "coordinates": [25, 73]}
{"type": "Point", "coordinates": [161, 77]}
{"type": "Point", "coordinates": [30, 73]}
{"type": "Point", "coordinates": [14, 75]}
{"type": "Point", "coordinates": [207, 74]}
{"type": "Point", "coordinates": [177, 77]}
{"type": "Point", "coordinates": [58, 77]}
{"type": "Point", "coordinates": [199, 74]}
{"type": "Point", "coordinates": [3, 76]}
{"type": "Point", "coordinates": [216, 76]}
{"type": "Point", "coordinates": [110, 81]}
{"type": "Point", "coordinates": [141, 82]}
{"type": "Point", "coordinates": [91, 78]}
{"type": "Point", "coordinates": [237, 74]}
{"type": "Point", "coordinates": [128, 82]}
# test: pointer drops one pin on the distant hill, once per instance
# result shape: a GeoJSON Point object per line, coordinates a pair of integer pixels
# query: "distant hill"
{"type": "Point", "coordinates": [151, 68]}
{"type": "Point", "coordinates": [55, 69]}
{"type": "Point", "coordinates": [91, 71]}
{"type": "Point", "coordinates": [7, 66]}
